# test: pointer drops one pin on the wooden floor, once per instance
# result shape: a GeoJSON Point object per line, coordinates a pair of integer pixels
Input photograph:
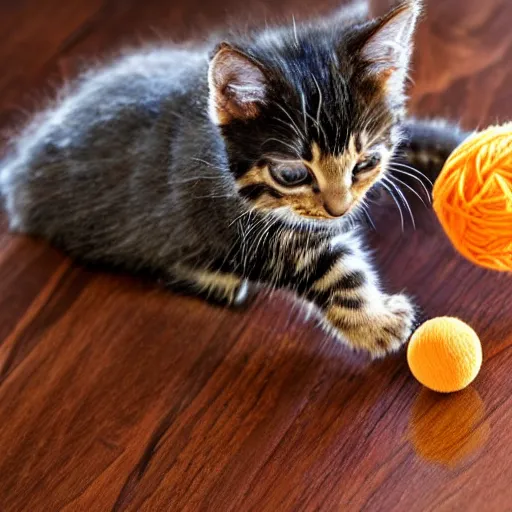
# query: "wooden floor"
{"type": "Point", "coordinates": [115, 395]}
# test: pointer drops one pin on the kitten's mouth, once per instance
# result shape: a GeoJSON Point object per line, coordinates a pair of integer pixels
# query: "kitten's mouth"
{"type": "Point", "coordinates": [321, 217]}
{"type": "Point", "coordinates": [330, 216]}
{"type": "Point", "coordinates": [321, 221]}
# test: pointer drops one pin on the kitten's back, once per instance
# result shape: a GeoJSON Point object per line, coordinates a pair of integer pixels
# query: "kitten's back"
{"type": "Point", "coordinates": [73, 171]}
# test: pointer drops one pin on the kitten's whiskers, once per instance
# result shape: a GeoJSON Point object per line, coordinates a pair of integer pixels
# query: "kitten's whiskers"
{"type": "Point", "coordinates": [301, 135]}
{"type": "Point", "coordinates": [423, 175]}
{"type": "Point", "coordinates": [209, 164]}
{"type": "Point", "coordinates": [390, 192]}
{"type": "Point", "coordinates": [248, 212]}
{"type": "Point", "coordinates": [319, 110]}
{"type": "Point", "coordinates": [293, 148]}
{"type": "Point", "coordinates": [303, 101]}
{"type": "Point", "coordinates": [425, 189]}
{"type": "Point", "coordinates": [404, 199]}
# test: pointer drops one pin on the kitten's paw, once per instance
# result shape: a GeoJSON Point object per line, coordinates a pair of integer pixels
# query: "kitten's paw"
{"type": "Point", "coordinates": [393, 327]}
{"type": "Point", "coordinates": [387, 330]}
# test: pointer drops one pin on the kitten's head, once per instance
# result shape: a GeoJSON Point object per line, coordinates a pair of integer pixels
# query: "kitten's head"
{"type": "Point", "coordinates": [310, 114]}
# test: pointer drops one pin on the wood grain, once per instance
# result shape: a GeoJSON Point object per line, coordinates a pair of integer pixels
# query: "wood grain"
{"type": "Point", "coordinates": [115, 395]}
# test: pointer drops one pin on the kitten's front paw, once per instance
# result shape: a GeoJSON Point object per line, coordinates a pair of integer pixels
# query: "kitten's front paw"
{"type": "Point", "coordinates": [387, 330]}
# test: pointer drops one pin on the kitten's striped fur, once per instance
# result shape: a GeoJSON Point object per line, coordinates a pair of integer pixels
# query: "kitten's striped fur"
{"type": "Point", "coordinates": [179, 162]}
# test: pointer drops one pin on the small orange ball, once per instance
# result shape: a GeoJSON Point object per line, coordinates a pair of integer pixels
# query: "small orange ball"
{"type": "Point", "coordinates": [445, 354]}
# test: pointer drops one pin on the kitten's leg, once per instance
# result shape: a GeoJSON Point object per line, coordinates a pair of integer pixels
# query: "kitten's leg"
{"type": "Point", "coordinates": [346, 289]}
{"type": "Point", "coordinates": [337, 276]}
{"type": "Point", "coordinates": [220, 288]}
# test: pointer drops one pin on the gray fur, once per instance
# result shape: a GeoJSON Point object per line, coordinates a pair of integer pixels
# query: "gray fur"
{"type": "Point", "coordinates": [129, 169]}
{"type": "Point", "coordinates": [113, 172]}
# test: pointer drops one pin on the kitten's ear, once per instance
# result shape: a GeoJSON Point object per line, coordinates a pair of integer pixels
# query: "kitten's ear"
{"type": "Point", "coordinates": [388, 45]}
{"type": "Point", "coordinates": [237, 85]}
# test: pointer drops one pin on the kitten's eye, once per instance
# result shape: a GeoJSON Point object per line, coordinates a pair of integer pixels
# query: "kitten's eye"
{"type": "Point", "coordinates": [290, 175]}
{"type": "Point", "coordinates": [368, 164]}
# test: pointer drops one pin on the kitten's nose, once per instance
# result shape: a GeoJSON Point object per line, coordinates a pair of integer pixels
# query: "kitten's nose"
{"type": "Point", "coordinates": [336, 208]}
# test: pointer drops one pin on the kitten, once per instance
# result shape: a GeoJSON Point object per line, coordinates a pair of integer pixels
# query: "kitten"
{"type": "Point", "coordinates": [242, 163]}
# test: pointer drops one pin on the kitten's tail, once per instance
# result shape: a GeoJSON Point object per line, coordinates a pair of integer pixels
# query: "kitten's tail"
{"type": "Point", "coordinates": [427, 144]}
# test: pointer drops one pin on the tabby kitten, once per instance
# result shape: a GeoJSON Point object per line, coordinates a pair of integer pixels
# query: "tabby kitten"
{"type": "Point", "coordinates": [215, 167]}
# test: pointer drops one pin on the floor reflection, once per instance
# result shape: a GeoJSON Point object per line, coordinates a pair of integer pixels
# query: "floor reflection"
{"type": "Point", "coordinates": [448, 429]}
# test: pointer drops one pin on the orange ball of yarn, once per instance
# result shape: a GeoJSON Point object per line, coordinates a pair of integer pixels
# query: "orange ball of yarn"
{"type": "Point", "coordinates": [473, 198]}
